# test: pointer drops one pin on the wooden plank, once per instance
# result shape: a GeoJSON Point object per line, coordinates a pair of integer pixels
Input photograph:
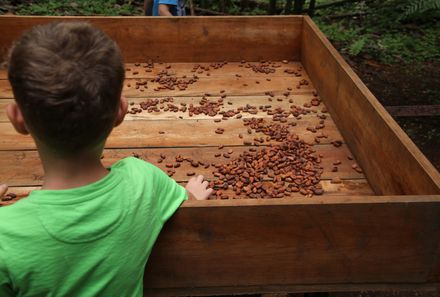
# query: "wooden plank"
{"type": "Point", "coordinates": [133, 134]}
{"type": "Point", "coordinates": [254, 246]}
{"type": "Point", "coordinates": [414, 110]}
{"type": "Point", "coordinates": [230, 102]}
{"type": "Point", "coordinates": [23, 168]}
{"type": "Point", "coordinates": [430, 289]}
{"type": "Point", "coordinates": [5, 90]}
{"type": "Point", "coordinates": [392, 162]}
{"type": "Point", "coordinates": [243, 86]}
{"type": "Point", "coordinates": [243, 68]}
{"type": "Point", "coordinates": [358, 187]}
{"type": "Point", "coordinates": [183, 39]}
{"type": "Point", "coordinates": [180, 69]}
{"type": "Point", "coordinates": [3, 104]}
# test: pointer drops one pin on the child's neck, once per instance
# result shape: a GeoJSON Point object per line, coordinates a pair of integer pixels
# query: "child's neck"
{"type": "Point", "coordinates": [61, 173]}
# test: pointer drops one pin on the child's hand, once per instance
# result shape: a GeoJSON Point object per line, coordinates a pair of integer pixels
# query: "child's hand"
{"type": "Point", "coordinates": [197, 188]}
{"type": "Point", "coordinates": [3, 190]}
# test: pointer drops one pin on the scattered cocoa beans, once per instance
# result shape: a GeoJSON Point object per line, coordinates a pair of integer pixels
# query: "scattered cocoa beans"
{"type": "Point", "coordinates": [337, 143]}
{"type": "Point", "coordinates": [278, 164]}
{"type": "Point", "coordinates": [8, 197]}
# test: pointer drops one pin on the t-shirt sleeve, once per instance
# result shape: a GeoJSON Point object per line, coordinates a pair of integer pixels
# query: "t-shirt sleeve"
{"type": "Point", "coordinates": [5, 286]}
{"type": "Point", "coordinates": [169, 2]}
{"type": "Point", "coordinates": [170, 194]}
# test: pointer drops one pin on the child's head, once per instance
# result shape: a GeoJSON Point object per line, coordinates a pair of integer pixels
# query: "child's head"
{"type": "Point", "coordinates": [67, 81]}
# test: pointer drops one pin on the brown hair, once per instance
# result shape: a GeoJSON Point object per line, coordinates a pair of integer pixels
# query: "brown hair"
{"type": "Point", "coordinates": [67, 80]}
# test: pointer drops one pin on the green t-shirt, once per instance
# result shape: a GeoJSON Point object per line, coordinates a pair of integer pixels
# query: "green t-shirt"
{"type": "Point", "coordinates": [89, 241]}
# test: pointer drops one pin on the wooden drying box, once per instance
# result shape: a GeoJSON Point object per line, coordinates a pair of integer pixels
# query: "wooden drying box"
{"type": "Point", "coordinates": [390, 240]}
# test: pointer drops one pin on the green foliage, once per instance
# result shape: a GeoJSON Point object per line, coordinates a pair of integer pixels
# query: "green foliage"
{"type": "Point", "coordinates": [420, 6]}
{"type": "Point", "coordinates": [380, 33]}
{"type": "Point", "coordinates": [387, 47]}
{"type": "Point", "coordinates": [78, 7]}
{"type": "Point", "coordinates": [407, 47]}
{"type": "Point", "coordinates": [356, 47]}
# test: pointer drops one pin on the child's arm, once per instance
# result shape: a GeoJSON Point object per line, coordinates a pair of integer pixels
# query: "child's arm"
{"type": "Point", "coordinates": [197, 189]}
{"type": "Point", "coordinates": [164, 10]}
{"type": "Point", "coordinates": [169, 193]}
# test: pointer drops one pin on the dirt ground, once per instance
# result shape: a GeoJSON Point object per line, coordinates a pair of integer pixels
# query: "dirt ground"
{"type": "Point", "coordinates": [407, 85]}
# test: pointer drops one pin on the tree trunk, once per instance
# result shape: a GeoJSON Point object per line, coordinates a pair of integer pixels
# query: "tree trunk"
{"type": "Point", "coordinates": [148, 7]}
{"type": "Point", "coordinates": [191, 7]}
{"type": "Point", "coordinates": [312, 7]}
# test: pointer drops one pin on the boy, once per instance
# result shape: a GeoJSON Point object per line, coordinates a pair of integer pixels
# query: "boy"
{"type": "Point", "coordinates": [90, 230]}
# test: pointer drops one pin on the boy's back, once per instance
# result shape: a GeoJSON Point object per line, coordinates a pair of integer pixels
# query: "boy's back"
{"type": "Point", "coordinates": [89, 241]}
{"type": "Point", "coordinates": [89, 232]}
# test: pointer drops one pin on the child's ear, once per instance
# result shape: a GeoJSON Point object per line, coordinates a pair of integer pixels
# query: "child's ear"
{"type": "Point", "coordinates": [122, 111]}
{"type": "Point", "coordinates": [16, 117]}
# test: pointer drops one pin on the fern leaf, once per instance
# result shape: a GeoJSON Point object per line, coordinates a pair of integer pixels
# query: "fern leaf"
{"type": "Point", "coordinates": [420, 6]}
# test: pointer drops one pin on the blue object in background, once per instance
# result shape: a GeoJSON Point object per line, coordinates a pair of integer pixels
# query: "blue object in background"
{"type": "Point", "coordinates": [177, 7]}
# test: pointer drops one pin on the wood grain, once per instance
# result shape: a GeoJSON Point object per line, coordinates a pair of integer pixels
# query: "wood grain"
{"type": "Point", "coordinates": [392, 162]}
{"type": "Point", "coordinates": [265, 245]}
{"type": "Point", "coordinates": [230, 102]}
{"type": "Point", "coordinates": [133, 134]}
{"type": "Point", "coordinates": [253, 246]}
{"type": "Point", "coordinates": [23, 168]}
{"type": "Point", "coordinates": [139, 70]}
{"type": "Point", "coordinates": [183, 39]}
{"type": "Point", "coordinates": [243, 86]}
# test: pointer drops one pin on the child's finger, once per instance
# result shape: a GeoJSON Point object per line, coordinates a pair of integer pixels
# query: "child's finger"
{"type": "Point", "coordinates": [209, 192]}
{"type": "Point", "coordinates": [205, 184]}
{"type": "Point", "coordinates": [3, 189]}
{"type": "Point", "coordinates": [200, 178]}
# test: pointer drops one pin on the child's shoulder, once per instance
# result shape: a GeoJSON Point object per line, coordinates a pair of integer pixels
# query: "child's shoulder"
{"type": "Point", "coordinates": [19, 214]}
{"type": "Point", "coordinates": [15, 209]}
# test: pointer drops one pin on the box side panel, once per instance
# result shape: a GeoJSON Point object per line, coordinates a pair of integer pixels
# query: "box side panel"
{"type": "Point", "coordinates": [245, 246]}
{"type": "Point", "coordinates": [392, 162]}
{"type": "Point", "coordinates": [186, 39]}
